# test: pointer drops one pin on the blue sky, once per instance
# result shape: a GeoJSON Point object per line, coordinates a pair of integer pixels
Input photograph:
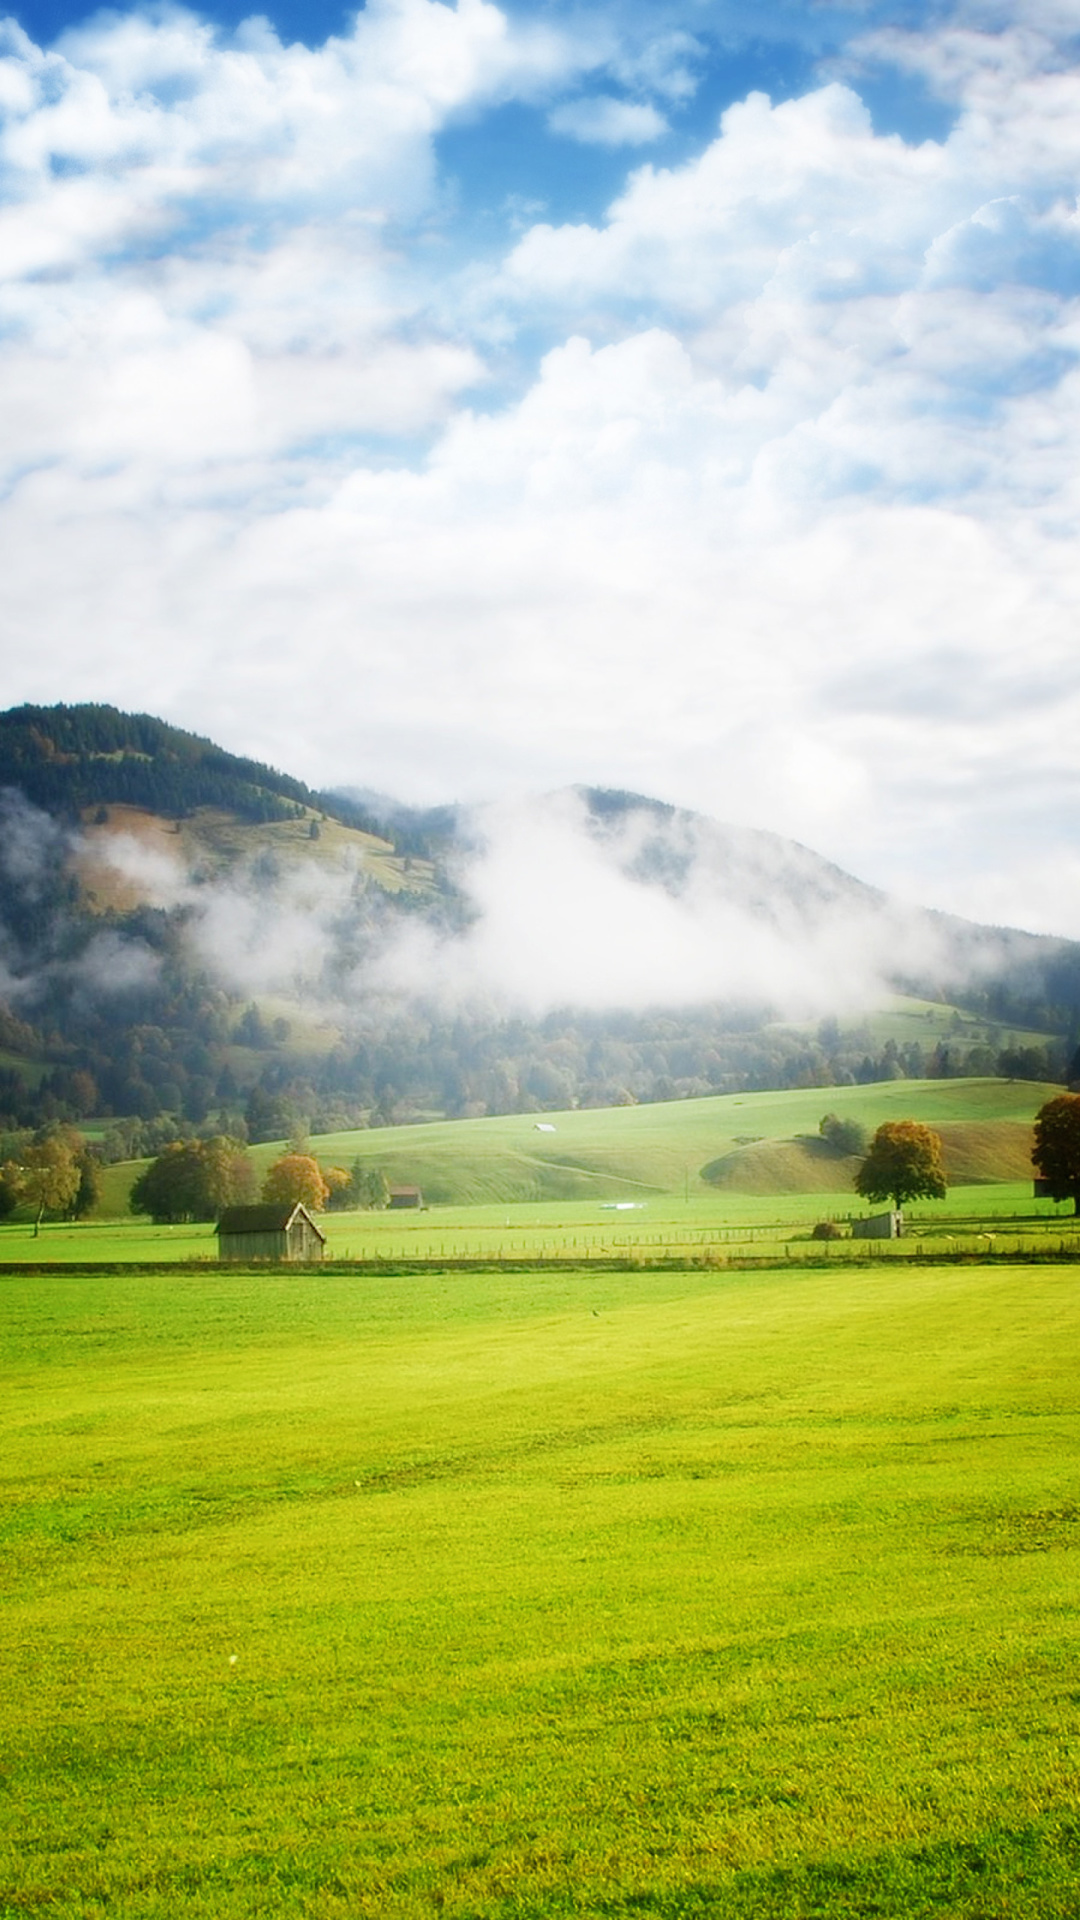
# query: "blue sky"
{"type": "Point", "coordinates": [463, 399]}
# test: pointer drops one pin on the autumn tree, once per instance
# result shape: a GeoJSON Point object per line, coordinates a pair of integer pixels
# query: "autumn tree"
{"type": "Point", "coordinates": [228, 1172]}
{"type": "Point", "coordinates": [904, 1163]}
{"type": "Point", "coordinates": [339, 1188]}
{"type": "Point", "coordinates": [296, 1176]}
{"type": "Point", "coordinates": [1056, 1152]}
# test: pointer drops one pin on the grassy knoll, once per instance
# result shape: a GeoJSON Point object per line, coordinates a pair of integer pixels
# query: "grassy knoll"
{"type": "Point", "coordinates": [747, 1595]}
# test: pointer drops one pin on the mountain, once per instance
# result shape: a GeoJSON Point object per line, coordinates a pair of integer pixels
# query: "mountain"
{"type": "Point", "coordinates": [192, 939]}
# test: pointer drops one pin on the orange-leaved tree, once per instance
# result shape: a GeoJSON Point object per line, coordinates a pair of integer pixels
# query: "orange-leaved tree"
{"type": "Point", "coordinates": [296, 1176]}
{"type": "Point", "coordinates": [904, 1163]}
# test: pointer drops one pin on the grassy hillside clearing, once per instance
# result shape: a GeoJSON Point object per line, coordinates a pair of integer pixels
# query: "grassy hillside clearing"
{"type": "Point", "coordinates": [904, 1018]}
{"type": "Point", "coordinates": [635, 1152]}
{"type": "Point", "coordinates": [211, 841]}
{"type": "Point", "coordinates": [698, 1597]}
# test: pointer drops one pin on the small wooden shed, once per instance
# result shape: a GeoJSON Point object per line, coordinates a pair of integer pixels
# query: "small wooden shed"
{"type": "Point", "coordinates": [878, 1226]}
{"type": "Point", "coordinates": [405, 1197]}
{"type": "Point", "coordinates": [270, 1232]}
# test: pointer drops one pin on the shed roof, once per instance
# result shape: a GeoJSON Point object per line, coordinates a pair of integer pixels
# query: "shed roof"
{"type": "Point", "coordinates": [269, 1218]}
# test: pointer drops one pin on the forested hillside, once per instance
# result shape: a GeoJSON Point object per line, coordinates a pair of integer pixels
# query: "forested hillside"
{"type": "Point", "coordinates": [67, 759]}
{"type": "Point", "coordinates": [285, 970]}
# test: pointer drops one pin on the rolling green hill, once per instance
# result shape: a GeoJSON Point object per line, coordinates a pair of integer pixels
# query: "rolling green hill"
{"type": "Point", "coordinates": [663, 1148]}
{"type": "Point", "coordinates": [770, 1142]}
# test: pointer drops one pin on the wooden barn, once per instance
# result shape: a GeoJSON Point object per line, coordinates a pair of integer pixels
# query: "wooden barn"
{"type": "Point", "coordinates": [405, 1197]}
{"type": "Point", "coordinates": [272, 1232]}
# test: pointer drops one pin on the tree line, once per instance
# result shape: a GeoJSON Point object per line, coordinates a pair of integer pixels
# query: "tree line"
{"type": "Point", "coordinates": [66, 759]}
{"type": "Point", "coordinates": [180, 1051]}
{"type": "Point", "coordinates": [196, 1180]}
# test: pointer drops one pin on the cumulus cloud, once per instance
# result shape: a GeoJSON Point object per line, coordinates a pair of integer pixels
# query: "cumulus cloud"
{"type": "Point", "coordinates": [759, 492]}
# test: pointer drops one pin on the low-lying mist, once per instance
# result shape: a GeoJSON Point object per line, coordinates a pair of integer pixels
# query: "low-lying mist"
{"type": "Point", "coordinates": [575, 899]}
{"type": "Point", "coordinates": [635, 907]}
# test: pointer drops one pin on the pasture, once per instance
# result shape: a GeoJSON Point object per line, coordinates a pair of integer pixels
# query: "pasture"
{"type": "Point", "coordinates": [743, 1159]}
{"type": "Point", "coordinates": [1001, 1219]}
{"type": "Point", "coordinates": [763, 1143]}
{"type": "Point", "coordinates": [736, 1594]}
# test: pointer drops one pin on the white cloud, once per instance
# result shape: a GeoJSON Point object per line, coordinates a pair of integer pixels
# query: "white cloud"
{"type": "Point", "coordinates": [564, 916]}
{"type": "Point", "coordinates": [631, 909]}
{"type": "Point", "coordinates": [667, 64]}
{"type": "Point", "coordinates": [781, 522]}
{"type": "Point", "coordinates": [602, 121]}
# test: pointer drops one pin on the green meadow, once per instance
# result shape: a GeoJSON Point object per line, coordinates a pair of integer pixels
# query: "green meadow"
{"type": "Point", "coordinates": [1002, 1219]}
{"type": "Point", "coordinates": [725, 1147]}
{"type": "Point", "coordinates": [686, 1179]}
{"type": "Point", "coordinates": [742, 1143]}
{"type": "Point", "coordinates": [670, 1594]}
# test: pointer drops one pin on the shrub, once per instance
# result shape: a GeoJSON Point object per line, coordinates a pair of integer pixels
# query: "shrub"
{"type": "Point", "coordinates": [843, 1136]}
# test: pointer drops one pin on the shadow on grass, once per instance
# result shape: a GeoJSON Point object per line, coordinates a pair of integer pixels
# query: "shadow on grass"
{"type": "Point", "coordinates": [1033, 1871]}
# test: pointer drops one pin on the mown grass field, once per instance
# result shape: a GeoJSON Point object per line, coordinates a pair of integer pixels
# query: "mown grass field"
{"type": "Point", "coordinates": [1003, 1219]}
{"type": "Point", "coordinates": [664, 1594]}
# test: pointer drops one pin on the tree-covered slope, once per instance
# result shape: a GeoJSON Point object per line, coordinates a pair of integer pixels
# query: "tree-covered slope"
{"type": "Point", "coordinates": [65, 759]}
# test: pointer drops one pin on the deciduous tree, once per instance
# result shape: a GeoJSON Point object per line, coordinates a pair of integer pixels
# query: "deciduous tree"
{"type": "Point", "coordinates": [1056, 1152]}
{"type": "Point", "coordinates": [904, 1163]}
{"type": "Point", "coordinates": [194, 1180]}
{"type": "Point", "coordinates": [340, 1187]}
{"type": "Point", "coordinates": [48, 1176]}
{"type": "Point", "coordinates": [296, 1176]}
{"type": "Point", "coordinates": [843, 1136]}
{"type": "Point", "coordinates": [9, 1188]}
{"type": "Point", "coordinates": [88, 1192]}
